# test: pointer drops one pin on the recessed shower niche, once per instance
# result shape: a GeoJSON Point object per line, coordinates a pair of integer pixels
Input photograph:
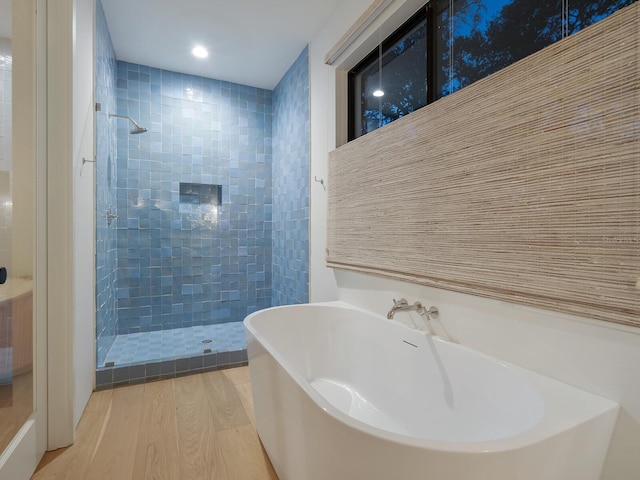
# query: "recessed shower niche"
{"type": "Point", "coordinates": [200, 199]}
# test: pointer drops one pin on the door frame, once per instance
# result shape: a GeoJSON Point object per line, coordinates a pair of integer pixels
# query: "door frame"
{"type": "Point", "coordinates": [21, 457]}
{"type": "Point", "coordinates": [59, 212]}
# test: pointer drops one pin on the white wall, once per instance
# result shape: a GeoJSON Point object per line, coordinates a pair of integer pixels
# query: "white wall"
{"type": "Point", "coordinates": [596, 356]}
{"type": "Point", "coordinates": [71, 339]}
{"type": "Point", "coordinates": [322, 79]}
{"type": "Point", "coordinates": [59, 224]}
{"type": "Point", "coordinates": [83, 206]}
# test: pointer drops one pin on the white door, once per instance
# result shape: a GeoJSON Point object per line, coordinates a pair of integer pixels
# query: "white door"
{"type": "Point", "coordinates": [22, 237]}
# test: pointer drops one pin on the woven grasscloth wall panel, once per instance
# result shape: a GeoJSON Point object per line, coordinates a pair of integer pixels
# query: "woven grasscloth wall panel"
{"type": "Point", "coordinates": [524, 186]}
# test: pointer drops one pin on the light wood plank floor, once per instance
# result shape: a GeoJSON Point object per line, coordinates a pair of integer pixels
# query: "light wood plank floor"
{"type": "Point", "coordinates": [190, 428]}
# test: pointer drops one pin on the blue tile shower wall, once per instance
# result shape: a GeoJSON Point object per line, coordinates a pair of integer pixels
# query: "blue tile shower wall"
{"type": "Point", "coordinates": [106, 172]}
{"type": "Point", "coordinates": [291, 185]}
{"type": "Point", "coordinates": [178, 266]}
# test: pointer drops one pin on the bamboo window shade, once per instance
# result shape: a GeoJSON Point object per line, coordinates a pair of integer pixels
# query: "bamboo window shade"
{"type": "Point", "coordinates": [523, 187]}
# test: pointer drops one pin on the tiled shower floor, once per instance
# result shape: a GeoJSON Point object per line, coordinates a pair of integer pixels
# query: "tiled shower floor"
{"type": "Point", "coordinates": [177, 343]}
{"type": "Point", "coordinates": [148, 356]}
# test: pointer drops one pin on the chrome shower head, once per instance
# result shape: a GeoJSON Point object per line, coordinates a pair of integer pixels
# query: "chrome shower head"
{"type": "Point", "coordinates": [136, 128]}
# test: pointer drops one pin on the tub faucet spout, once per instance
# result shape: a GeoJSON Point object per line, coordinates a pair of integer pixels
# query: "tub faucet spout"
{"type": "Point", "coordinates": [402, 306]}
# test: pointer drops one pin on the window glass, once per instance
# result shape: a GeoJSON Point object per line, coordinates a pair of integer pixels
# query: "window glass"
{"type": "Point", "coordinates": [582, 13]}
{"type": "Point", "coordinates": [479, 37]}
{"type": "Point", "coordinates": [390, 85]}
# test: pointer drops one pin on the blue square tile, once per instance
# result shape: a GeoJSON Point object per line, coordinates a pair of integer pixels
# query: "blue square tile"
{"type": "Point", "coordinates": [152, 370]}
{"type": "Point", "coordinates": [104, 377]}
{"type": "Point", "coordinates": [214, 272]}
{"type": "Point", "coordinates": [182, 364]}
{"type": "Point", "coordinates": [120, 375]}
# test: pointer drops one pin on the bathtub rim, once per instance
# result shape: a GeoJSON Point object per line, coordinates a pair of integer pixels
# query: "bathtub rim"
{"type": "Point", "coordinates": [590, 407]}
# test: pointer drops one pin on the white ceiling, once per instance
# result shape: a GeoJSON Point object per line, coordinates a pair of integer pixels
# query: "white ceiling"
{"type": "Point", "coordinates": [251, 42]}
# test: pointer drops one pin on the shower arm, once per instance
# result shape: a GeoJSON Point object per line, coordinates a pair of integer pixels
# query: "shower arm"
{"type": "Point", "coordinates": [137, 129]}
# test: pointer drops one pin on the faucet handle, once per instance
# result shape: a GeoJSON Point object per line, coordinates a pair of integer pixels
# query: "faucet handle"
{"type": "Point", "coordinates": [433, 312]}
{"type": "Point", "coordinates": [401, 302]}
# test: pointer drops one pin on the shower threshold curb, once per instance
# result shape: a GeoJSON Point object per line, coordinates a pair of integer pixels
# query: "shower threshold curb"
{"type": "Point", "coordinates": [115, 376]}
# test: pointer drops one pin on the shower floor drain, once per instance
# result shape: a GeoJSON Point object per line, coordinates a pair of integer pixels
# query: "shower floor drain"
{"type": "Point", "coordinates": [207, 341]}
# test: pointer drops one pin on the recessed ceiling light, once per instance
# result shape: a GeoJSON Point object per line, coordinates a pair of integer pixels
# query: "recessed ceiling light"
{"type": "Point", "coordinates": [378, 93]}
{"type": "Point", "coordinates": [200, 52]}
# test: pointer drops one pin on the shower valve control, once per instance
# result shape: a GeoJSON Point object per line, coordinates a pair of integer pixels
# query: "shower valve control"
{"type": "Point", "coordinates": [111, 217]}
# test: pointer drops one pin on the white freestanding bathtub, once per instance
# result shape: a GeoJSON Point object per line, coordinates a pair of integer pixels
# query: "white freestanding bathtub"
{"type": "Point", "coordinates": [341, 394]}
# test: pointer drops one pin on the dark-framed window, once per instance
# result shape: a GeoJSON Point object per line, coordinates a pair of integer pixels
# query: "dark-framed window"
{"type": "Point", "coordinates": [449, 44]}
{"type": "Point", "coordinates": [398, 69]}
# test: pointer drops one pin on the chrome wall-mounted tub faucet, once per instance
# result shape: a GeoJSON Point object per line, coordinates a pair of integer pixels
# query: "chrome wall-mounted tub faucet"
{"type": "Point", "coordinates": [402, 305]}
